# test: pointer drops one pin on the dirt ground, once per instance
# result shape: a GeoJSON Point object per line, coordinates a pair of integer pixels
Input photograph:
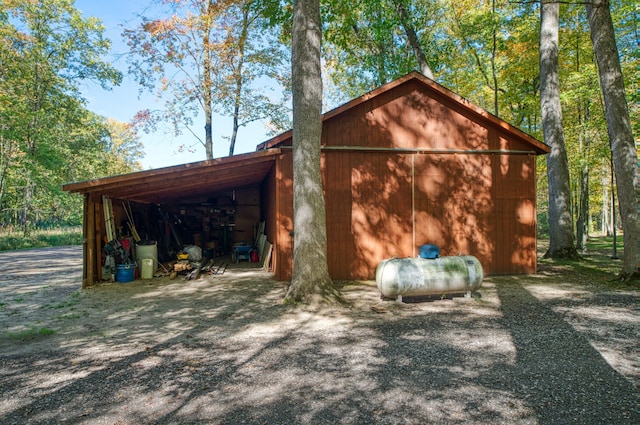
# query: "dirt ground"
{"type": "Point", "coordinates": [560, 346]}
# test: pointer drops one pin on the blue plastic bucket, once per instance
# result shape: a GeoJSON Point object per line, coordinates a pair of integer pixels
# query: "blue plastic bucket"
{"type": "Point", "coordinates": [125, 272]}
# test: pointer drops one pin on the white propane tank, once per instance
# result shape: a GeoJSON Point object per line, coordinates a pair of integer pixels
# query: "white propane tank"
{"type": "Point", "coordinates": [412, 277]}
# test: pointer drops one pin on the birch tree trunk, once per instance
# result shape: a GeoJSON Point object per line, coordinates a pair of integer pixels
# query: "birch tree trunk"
{"type": "Point", "coordinates": [625, 158]}
{"type": "Point", "coordinates": [310, 282]}
{"type": "Point", "coordinates": [561, 240]}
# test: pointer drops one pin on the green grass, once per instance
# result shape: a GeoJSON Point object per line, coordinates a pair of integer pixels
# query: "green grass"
{"type": "Point", "coordinates": [596, 264]}
{"type": "Point", "coordinates": [69, 317]}
{"type": "Point", "coordinates": [604, 245]}
{"type": "Point", "coordinates": [13, 240]}
{"type": "Point", "coordinates": [600, 247]}
{"type": "Point", "coordinates": [31, 333]}
{"type": "Point", "coordinates": [75, 299]}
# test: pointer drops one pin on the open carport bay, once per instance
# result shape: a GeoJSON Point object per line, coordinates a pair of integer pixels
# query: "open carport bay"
{"type": "Point", "coordinates": [556, 347]}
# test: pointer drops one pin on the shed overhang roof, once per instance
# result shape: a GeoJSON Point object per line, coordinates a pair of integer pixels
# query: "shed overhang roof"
{"type": "Point", "coordinates": [186, 181]}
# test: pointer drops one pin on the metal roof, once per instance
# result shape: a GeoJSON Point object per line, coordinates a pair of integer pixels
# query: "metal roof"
{"type": "Point", "coordinates": [186, 181]}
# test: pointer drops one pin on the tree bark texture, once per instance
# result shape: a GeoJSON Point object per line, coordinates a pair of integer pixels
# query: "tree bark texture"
{"type": "Point", "coordinates": [310, 282]}
{"type": "Point", "coordinates": [414, 41]}
{"type": "Point", "coordinates": [561, 240]}
{"type": "Point", "coordinates": [582, 226]}
{"type": "Point", "coordinates": [237, 75]}
{"type": "Point", "coordinates": [625, 158]}
{"type": "Point", "coordinates": [494, 50]}
{"type": "Point", "coordinates": [208, 87]}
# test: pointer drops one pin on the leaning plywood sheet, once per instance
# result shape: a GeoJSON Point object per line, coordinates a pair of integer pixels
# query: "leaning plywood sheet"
{"type": "Point", "coordinates": [266, 258]}
{"type": "Point", "coordinates": [260, 244]}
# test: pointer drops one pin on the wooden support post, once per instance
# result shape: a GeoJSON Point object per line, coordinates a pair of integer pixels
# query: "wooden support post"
{"type": "Point", "coordinates": [92, 230]}
{"type": "Point", "coordinates": [85, 241]}
{"type": "Point", "coordinates": [90, 237]}
{"type": "Point", "coordinates": [99, 232]}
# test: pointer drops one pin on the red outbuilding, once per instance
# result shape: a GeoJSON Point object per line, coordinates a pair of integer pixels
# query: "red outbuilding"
{"type": "Point", "coordinates": [408, 164]}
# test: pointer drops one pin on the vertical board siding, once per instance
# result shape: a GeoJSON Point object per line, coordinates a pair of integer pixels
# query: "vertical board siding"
{"type": "Point", "coordinates": [453, 204]}
{"type": "Point", "coordinates": [515, 206]}
{"type": "Point", "coordinates": [340, 243]}
{"type": "Point", "coordinates": [382, 204]}
{"type": "Point", "coordinates": [380, 209]}
{"type": "Point", "coordinates": [283, 249]}
{"type": "Point", "coordinates": [268, 204]}
{"type": "Point", "coordinates": [268, 213]}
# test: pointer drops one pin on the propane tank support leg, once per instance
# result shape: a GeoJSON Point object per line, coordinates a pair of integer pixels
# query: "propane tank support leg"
{"type": "Point", "coordinates": [399, 298]}
{"type": "Point", "coordinates": [468, 294]}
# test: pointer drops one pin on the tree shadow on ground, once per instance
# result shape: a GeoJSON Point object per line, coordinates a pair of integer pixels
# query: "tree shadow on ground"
{"type": "Point", "coordinates": [228, 352]}
{"type": "Point", "coordinates": [557, 370]}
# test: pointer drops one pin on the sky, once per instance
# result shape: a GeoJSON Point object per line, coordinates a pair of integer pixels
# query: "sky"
{"type": "Point", "coordinates": [122, 102]}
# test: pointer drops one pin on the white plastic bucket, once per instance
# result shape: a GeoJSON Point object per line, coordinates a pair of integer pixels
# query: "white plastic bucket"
{"type": "Point", "coordinates": [147, 249]}
{"type": "Point", "coordinates": [146, 268]}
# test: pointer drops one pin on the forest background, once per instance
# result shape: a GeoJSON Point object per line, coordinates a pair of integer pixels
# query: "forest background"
{"type": "Point", "coordinates": [486, 51]}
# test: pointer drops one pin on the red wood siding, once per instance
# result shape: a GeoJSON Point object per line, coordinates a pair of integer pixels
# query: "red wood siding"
{"type": "Point", "coordinates": [405, 118]}
{"type": "Point", "coordinates": [337, 186]}
{"type": "Point", "coordinates": [471, 189]}
{"type": "Point", "coordinates": [515, 225]}
{"type": "Point", "coordinates": [453, 204]}
{"type": "Point", "coordinates": [283, 241]}
{"type": "Point", "coordinates": [482, 205]}
{"type": "Point", "coordinates": [368, 211]}
{"type": "Point", "coordinates": [380, 205]}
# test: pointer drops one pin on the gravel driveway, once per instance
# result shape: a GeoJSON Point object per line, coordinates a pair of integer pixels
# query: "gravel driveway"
{"type": "Point", "coordinates": [559, 347]}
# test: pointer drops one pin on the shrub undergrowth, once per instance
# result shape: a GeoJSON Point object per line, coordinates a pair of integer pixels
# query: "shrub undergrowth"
{"type": "Point", "coordinates": [12, 240]}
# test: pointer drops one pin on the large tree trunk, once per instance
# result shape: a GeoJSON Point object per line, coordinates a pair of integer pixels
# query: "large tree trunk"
{"type": "Point", "coordinates": [414, 41]}
{"type": "Point", "coordinates": [310, 281]}
{"type": "Point", "coordinates": [625, 158]}
{"type": "Point", "coordinates": [561, 241]}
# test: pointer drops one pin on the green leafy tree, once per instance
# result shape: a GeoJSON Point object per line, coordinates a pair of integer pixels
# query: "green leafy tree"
{"type": "Point", "coordinates": [365, 46]}
{"type": "Point", "coordinates": [47, 49]}
{"type": "Point", "coordinates": [123, 148]}
{"type": "Point", "coordinates": [481, 28]}
{"type": "Point", "coordinates": [406, 20]}
{"type": "Point", "coordinates": [203, 59]}
{"type": "Point", "coordinates": [256, 55]}
{"type": "Point", "coordinates": [582, 115]}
